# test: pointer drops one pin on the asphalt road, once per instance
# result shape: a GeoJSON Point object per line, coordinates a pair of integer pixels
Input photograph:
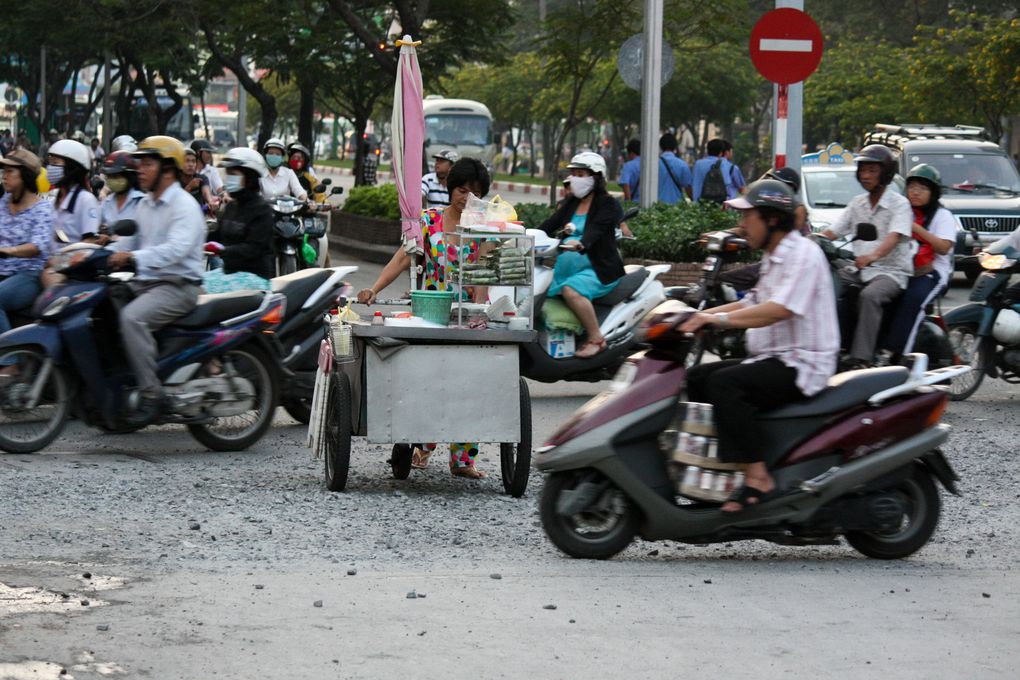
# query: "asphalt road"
{"type": "Point", "coordinates": [177, 562]}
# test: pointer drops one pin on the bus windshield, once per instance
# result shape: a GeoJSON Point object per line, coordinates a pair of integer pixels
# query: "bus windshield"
{"type": "Point", "coordinates": [458, 130]}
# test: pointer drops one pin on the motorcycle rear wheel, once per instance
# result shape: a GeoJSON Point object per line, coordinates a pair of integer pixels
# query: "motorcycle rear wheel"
{"type": "Point", "coordinates": [922, 516]}
{"type": "Point", "coordinates": [237, 433]}
{"type": "Point", "coordinates": [972, 351]}
{"type": "Point", "coordinates": [598, 532]}
{"type": "Point", "coordinates": [50, 413]}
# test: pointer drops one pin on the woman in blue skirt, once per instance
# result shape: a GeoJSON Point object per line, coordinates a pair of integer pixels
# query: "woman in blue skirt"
{"type": "Point", "coordinates": [590, 265]}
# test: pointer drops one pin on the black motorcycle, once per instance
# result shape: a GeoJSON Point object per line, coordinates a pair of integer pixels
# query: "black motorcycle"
{"type": "Point", "coordinates": [300, 231]}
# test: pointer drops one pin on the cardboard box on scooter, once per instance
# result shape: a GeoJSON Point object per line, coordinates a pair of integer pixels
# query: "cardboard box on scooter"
{"type": "Point", "coordinates": [559, 344]}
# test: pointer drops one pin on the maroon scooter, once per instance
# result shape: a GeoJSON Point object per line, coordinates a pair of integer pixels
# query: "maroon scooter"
{"type": "Point", "coordinates": [858, 460]}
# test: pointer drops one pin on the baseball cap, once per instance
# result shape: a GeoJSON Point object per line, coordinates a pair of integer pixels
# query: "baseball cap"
{"type": "Point", "coordinates": [447, 155]}
{"type": "Point", "coordinates": [25, 159]}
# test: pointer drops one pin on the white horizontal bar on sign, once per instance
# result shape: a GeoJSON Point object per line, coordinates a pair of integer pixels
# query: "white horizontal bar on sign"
{"type": "Point", "coordinates": [778, 45]}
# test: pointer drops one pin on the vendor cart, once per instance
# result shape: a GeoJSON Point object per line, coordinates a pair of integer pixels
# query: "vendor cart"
{"type": "Point", "coordinates": [414, 384]}
{"type": "Point", "coordinates": [417, 385]}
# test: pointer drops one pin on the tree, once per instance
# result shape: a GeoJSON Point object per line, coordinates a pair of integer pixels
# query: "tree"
{"type": "Point", "coordinates": [968, 73]}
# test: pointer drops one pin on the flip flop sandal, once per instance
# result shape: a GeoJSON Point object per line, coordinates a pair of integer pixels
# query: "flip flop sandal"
{"type": "Point", "coordinates": [746, 496]}
{"type": "Point", "coordinates": [469, 471]}
{"type": "Point", "coordinates": [420, 458]}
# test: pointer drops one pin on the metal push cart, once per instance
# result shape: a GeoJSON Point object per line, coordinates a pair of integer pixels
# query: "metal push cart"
{"type": "Point", "coordinates": [405, 385]}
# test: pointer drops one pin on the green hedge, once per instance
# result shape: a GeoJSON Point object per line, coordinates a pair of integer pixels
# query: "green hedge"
{"type": "Point", "coordinates": [381, 201]}
{"type": "Point", "coordinates": [662, 232]}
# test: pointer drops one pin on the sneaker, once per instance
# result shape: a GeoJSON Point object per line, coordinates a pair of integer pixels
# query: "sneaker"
{"type": "Point", "coordinates": [150, 408]}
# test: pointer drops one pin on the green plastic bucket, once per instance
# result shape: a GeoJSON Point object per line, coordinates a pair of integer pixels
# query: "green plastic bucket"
{"type": "Point", "coordinates": [432, 305]}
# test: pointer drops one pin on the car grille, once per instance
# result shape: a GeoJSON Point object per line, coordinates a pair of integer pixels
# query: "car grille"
{"type": "Point", "coordinates": [998, 224]}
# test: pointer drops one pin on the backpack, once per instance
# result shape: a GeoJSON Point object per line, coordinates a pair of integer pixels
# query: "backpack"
{"type": "Point", "coordinates": [714, 187]}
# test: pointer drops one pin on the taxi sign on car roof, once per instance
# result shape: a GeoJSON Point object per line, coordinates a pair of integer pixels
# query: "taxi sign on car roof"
{"type": "Point", "coordinates": [833, 154]}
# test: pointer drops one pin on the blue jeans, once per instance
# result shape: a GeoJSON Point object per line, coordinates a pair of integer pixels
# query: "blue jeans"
{"type": "Point", "coordinates": [909, 312]}
{"type": "Point", "coordinates": [17, 291]}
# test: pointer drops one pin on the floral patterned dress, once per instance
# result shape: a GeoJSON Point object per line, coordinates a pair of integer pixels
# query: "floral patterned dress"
{"type": "Point", "coordinates": [437, 275]}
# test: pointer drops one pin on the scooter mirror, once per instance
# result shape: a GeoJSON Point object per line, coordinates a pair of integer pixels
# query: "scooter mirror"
{"type": "Point", "coordinates": [327, 182]}
{"type": "Point", "coordinates": [336, 191]}
{"type": "Point", "coordinates": [630, 214]}
{"type": "Point", "coordinates": [865, 231]}
{"type": "Point", "coordinates": [125, 228]}
{"type": "Point", "coordinates": [319, 188]}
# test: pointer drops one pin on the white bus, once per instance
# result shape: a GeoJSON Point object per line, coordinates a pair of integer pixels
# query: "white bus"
{"type": "Point", "coordinates": [460, 124]}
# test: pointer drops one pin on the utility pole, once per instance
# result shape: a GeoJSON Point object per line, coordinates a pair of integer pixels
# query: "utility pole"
{"type": "Point", "coordinates": [242, 108]}
{"type": "Point", "coordinates": [107, 108]}
{"type": "Point", "coordinates": [788, 107]}
{"type": "Point", "coordinates": [651, 96]}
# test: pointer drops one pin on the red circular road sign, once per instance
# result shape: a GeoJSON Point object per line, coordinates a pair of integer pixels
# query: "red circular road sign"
{"type": "Point", "coordinates": [786, 46]}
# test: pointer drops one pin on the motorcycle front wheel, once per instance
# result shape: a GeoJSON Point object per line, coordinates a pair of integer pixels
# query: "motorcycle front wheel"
{"type": "Point", "coordinates": [238, 432]}
{"type": "Point", "coordinates": [972, 351]}
{"type": "Point", "coordinates": [601, 528]}
{"type": "Point", "coordinates": [34, 400]}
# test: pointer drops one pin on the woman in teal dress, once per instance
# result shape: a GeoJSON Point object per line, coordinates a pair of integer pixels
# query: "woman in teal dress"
{"type": "Point", "coordinates": [590, 266]}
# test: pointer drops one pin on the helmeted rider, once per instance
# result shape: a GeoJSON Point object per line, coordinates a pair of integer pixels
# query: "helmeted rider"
{"type": "Point", "coordinates": [166, 253]}
{"type": "Point", "coordinates": [934, 230]}
{"type": "Point", "coordinates": [77, 208]}
{"type": "Point", "coordinates": [123, 143]}
{"type": "Point", "coordinates": [883, 266]}
{"type": "Point", "coordinates": [194, 183]}
{"type": "Point", "coordinates": [243, 238]}
{"type": "Point", "coordinates": [280, 180]}
{"type": "Point", "coordinates": [121, 171]}
{"type": "Point", "coordinates": [792, 337]}
{"type": "Point", "coordinates": [203, 155]}
{"type": "Point", "coordinates": [300, 161]}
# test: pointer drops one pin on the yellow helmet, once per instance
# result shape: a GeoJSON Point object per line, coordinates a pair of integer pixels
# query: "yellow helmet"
{"type": "Point", "coordinates": [164, 147]}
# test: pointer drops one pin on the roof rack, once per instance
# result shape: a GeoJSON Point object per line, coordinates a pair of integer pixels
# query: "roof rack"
{"type": "Point", "coordinates": [896, 133]}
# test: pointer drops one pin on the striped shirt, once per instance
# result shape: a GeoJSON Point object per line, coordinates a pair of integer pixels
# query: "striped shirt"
{"type": "Point", "coordinates": [892, 213]}
{"type": "Point", "coordinates": [434, 193]}
{"type": "Point", "coordinates": [796, 276]}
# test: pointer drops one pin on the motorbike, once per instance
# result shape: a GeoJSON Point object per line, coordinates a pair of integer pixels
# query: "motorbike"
{"type": "Point", "coordinates": [985, 333]}
{"type": "Point", "coordinates": [309, 293]}
{"type": "Point", "coordinates": [217, 369]}
{"type": "Point", "coordinates": [618, 313]}
{"type": "Point", "coordinates": [300, 231]}
{"type": "Point", "coordinates": [860, 460]}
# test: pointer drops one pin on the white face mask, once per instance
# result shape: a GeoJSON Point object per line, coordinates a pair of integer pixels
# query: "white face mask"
{"type": "Point", "coordinates": [233, 184]}
{"type": "Point", "coordinates": [581, 186]}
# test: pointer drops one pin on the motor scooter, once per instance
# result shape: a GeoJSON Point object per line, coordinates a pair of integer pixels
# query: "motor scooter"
{"type": "Point", "coordinates": [300, 231]}
{"type": "Point", "coordinates": [618, 313]}
{"type": "Point", "coordinates": [217, 369]}
{"type": "Point", "coordinates": [858, 460]}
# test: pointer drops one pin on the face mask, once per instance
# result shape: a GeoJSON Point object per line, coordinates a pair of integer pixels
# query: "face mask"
{"type": "Point", "coordinates": [54, 173]}
{"type": "Point", "coordinates": [118, 185]}
{"type": "Point", "coordinates": [233, 184]}
{"type": "Point", "coordinates": [581, 186]}
{"type": "Point", "coordinates": [274, 161]}
{"type": "Point", "coordinates": [297, 163]}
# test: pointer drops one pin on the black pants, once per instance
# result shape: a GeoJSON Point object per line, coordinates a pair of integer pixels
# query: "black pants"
{"type": "Point", "coordinates": [739, 392]}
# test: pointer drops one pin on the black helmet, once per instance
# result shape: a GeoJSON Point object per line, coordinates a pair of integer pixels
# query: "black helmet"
{"type": "Point", "coordinates": [883, 155]}
{"type": "Point", "coordinates": [298, 146]}
{"type": "Point", "coordinates": [766, 193]}
{"type": "Point", "coordinates": [787, 176]}
{"type": "Point", "coordinates": [201, 145]}
{"type": "Point", "coordinates": [120, 162]}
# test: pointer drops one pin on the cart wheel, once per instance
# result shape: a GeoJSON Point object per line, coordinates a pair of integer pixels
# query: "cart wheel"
{"type": "Point", "coordinates": [338, 432]}
{"type": "Point", "coordinates": [515, 459]}
{"type": "Point", "coordinates": [400, 461]}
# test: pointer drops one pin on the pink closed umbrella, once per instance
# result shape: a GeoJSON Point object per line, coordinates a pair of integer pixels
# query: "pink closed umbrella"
{"type": "Point", "coordinates": [408, 126]}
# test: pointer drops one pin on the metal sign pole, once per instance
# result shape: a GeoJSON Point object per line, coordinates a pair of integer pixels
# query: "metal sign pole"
{"type": "Point", "coordinates": [107, 105]}
{"type": "Point", "coordinates": [794, 111]}
{"type": "Point", "coordinates": [651, 97]}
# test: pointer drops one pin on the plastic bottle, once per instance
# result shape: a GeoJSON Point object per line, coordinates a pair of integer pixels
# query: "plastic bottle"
{"type": "Point", "coordinates": [378, 320]}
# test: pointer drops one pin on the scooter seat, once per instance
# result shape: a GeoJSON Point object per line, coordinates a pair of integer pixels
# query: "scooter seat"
{"type": "Point", "coordinates": [212, 309]}
{"type": "Point", "coordinates": [298, 286]}
{"type": "Point", "coordinates": [845, 390]}
{"type": "Point", "coordinates": [628, 286]}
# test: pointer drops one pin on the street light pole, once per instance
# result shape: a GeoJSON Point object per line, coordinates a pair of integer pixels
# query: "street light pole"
{"type": "Point", "coordinates": [651, 96]}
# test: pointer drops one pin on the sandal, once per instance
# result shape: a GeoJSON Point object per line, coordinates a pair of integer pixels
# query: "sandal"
{"type": "Point", "coordinates": [746, 496]}
{"type": "Point", "coordinates": [590, 349]}
{"type": "Point", "coordinates": [420, 458]}
{"type": "Point", "coordinates": [469, 471]}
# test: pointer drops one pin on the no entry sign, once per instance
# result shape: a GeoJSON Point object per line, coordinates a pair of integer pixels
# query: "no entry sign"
{"type": "Point", "coordinates": [786, 46]}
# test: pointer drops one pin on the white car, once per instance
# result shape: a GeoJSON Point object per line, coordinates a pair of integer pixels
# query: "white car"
{"type": "Point", "coordinates": [825, 190]}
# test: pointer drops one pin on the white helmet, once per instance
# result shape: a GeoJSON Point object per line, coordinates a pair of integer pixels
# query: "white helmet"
{"type": "Point", "coordinates": [72, 151]}
{"type": "Point", "coordinates": [588, 160]}
{"type": "Point", "coordinates": [243, 157]}
{"type": "Point", "coordinates": [274, 143]}
{"type": "Point", "coordinates": [124, 143]}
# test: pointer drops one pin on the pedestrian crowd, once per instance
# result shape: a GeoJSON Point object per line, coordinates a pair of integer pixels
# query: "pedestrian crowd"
{"type": "Point", "coordinates": [714, 178]}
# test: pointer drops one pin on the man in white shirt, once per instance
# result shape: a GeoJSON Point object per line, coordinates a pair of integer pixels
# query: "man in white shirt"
{"type": "Point", "coordinates": [433, 185]}
{"type": "Point", "coordinates": [883, 266]}
{"type": "Point", "coordinates": [167, 254]}
{"type": "Point", "coordinates": [281, 180]}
